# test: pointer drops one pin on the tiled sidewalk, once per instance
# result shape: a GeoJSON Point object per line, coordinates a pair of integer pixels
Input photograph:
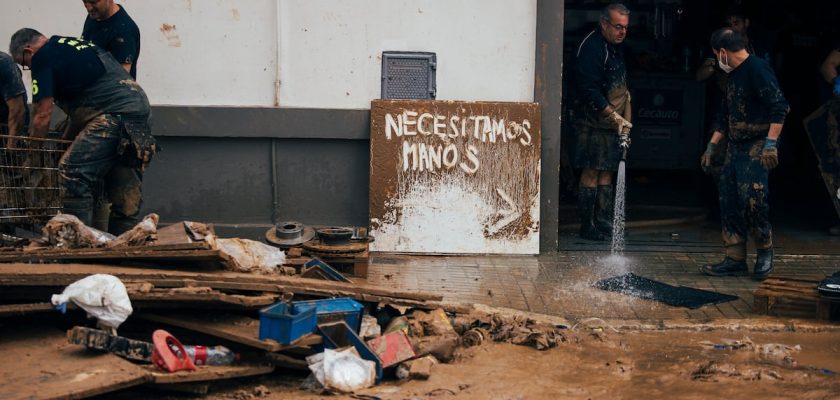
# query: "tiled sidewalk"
{"type": "Point", "coordinates": [561, 283]}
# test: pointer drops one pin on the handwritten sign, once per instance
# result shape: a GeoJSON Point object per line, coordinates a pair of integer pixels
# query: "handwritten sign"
{"type": "Point", "coordinates": [455, 177]}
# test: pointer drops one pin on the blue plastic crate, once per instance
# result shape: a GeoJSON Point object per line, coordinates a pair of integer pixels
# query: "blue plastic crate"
{"type": "Point", "coordinates": [285, 324]}
{"type": "Point", "coordinates": [333, 310]}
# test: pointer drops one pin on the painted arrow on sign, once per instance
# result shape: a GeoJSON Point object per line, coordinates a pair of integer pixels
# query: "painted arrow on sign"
{"type": "Point", "coordinates": [508, 216]}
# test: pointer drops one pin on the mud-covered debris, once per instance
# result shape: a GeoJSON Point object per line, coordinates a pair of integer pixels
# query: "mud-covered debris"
{"type": "Point", "coordinates": [713, 371]}
{"type": "Point", "coordinates": [776, 353]}
{"type": "Point", "coordinates": [420, 368]}
{"type": "Point", "coordinates": [67, 231]}
{"type": "Point", "coordinates": [142, 233]}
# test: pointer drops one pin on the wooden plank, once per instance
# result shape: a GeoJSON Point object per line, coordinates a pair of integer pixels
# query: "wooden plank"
{"type": "Point", "coordinates": [207, 373]}
{"type": "Point", "coordinates": [121, 254]}
{"type": "Point", "coordinates": [41, 364]}
{"type": "Point", "coordinates": [238, 329]}
{"type": "Point", "coordinates": [22, 274]}
{"type": "Point", "coordinates": [16, 310]}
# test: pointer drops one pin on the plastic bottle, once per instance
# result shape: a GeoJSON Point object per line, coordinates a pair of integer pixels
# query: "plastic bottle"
{"type": "Point", "coordinates": [216, 355]}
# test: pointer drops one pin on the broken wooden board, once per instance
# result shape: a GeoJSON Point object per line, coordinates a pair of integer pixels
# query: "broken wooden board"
{"type": "Point", "coordinates": [785, 296]}
{"type": "Point", "coordinates": [192, 297]}
{"type": "Point", "coordinates": [17, 310]}
{"type": "Point", "coordinates": [64, 274]}
{"type": "Point", "coordinates": [41, 364]}
{"type": "Point", "coordinates": [198, 254]}
{"type": "Point", "coordinates": [207, 373]}
{"type": "Point", "coordinates": [235, 328]}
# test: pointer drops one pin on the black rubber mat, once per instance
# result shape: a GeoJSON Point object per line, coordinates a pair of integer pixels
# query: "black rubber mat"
{"type": "Point", "coordinates": [678, 296]}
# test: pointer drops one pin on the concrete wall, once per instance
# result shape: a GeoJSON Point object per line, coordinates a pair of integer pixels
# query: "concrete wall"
{"type": "Point", "coordinates": [224, 52]}
{"type": "Point", "coordinates": [231, 155]}
{"type": "Point", "coordinates": [330, 49]}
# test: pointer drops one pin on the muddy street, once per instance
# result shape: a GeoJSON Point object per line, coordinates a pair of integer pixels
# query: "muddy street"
{"type": "Point", "coordinates": [633, 364]}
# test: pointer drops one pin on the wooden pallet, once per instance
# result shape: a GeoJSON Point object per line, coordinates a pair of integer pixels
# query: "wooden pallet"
{"type": "Point", "coordinates": [794, 297]}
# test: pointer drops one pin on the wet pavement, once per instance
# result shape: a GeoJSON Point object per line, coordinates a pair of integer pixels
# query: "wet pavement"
{"type": "Point", "coordinates": [561, 283]}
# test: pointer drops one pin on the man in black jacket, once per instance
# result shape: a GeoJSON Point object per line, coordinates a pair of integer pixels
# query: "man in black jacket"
{"type": "Point", "coordinates": [109, 120]}
{"type": "Point", "coordinates": [110, 27]}
{"type": "Point", "coordinates": [600, 113]}
{"type": "Point", "coordinates": [751, 117]}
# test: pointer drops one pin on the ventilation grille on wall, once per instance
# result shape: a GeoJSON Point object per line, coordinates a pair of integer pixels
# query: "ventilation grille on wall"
{"type": "Point", "coordinates": [408, 75]}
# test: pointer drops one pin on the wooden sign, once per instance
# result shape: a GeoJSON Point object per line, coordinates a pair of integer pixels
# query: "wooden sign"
{"type": "Point", "coordinates": [455, 177]}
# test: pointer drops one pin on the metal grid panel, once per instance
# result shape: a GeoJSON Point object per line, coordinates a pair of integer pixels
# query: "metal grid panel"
{"type": "Point", "coordinates": [409, 75]}
{"type": "Point", "coordinates": [30, 187]}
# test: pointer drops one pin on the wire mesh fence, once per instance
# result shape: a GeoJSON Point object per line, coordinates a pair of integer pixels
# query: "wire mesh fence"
{"type": "Point", "coordinates": [30, 185]}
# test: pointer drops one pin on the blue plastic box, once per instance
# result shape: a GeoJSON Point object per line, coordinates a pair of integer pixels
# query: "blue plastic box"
{"type": "Point", "coordinates": [333, 310]}
{"type": "Point", "coordinates": [285, 324]}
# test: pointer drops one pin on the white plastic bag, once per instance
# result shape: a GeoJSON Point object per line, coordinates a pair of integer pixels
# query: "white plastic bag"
{"type": "Point", "coordinates": [346, 372]}
{"type": "Point", "coordinates": [103, 297]}
{"type": "Point", "coordinates": [249, 255]}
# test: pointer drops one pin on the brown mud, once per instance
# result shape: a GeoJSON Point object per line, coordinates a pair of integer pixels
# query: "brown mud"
{"type": "Point", "coordinates": [670, 364]}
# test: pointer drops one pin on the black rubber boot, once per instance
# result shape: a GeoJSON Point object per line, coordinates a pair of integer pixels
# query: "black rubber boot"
{"type": "Point", "coordinates": [763, 263]}
{"type": "Point", "coordinates": [605, 209]}
{"type": "Point", "coordinates": [727, 267]}
{"type": "Point", "coordinates": [81, 208]}
{"type": "Point", "coordinates": [586, 208]}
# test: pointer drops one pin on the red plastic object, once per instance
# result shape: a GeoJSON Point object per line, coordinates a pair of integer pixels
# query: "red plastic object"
{"type": "Point", "coordinates": [163, 355]}
{"type": "Point", "coordinates": [392, 348]}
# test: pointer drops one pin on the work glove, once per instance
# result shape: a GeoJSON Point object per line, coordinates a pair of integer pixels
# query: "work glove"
{"type": "Point", "coordinates": [706, 158]}
{"type": "Point", "coordinates": [621, 125]}
{"type": "Point", "coordinates": [769, 155]}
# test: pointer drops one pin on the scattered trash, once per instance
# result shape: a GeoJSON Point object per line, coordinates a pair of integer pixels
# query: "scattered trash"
{"type": "Point", "coordinates": [289, 233]}
{"type": "Point", "coordinates": [397, 324]}
{"type": "Point", "coordinates": [474, 337]}
{"type": "Point", "coordinates": [216, 355]}
{"type": "Point", "coordinates": [392, 348]}
{"type": "Point", "coordinates": [318, 269]}
{"type": "Point", "coordinates": [370, 328]}
{"type": "Point", "coordinates": [103, 297]}
{"type": "Point", "coordinates": [331, 310]}
{"type": "Point", "coordinates": [285, 324]}
{"type": "Point", "coordinates": [335, 235]}
{"type": "Point", "coordinates": [435, 323]}
{"type": "Point", "coordinates": [139, 235]}
{"type": "Point", "coordinates": [169, 354]}
{"type": "Point", "coordinates": [830, 287]}
{"type": "Point", "coordinates": [250, 255]}
{"type": "Point", "coordinates": [442, 347]}
{"type": "Point", "coordinates": [343, 371]}
{"type": "Point", "coordinates": [775, 353]}
{"type": "Point", "coordinates": [338, 335]}
{"type": "Point", "coordinates": [67, 231]}
{"type": "Point", "coordinates": [712, 370]}
{"type": "Point", "coordinates": [420, 368]}
{"type": "Point", "coordinates": [103, 341]}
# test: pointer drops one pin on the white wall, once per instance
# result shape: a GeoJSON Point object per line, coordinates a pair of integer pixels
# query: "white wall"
{"type": "Point", "coordinates": [223, 52]}
{"type": "Point", "coordinates": [330, 49]}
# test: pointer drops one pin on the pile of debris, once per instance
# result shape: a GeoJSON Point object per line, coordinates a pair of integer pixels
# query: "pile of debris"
{"type": "Point", "coordinates": [178, 308]}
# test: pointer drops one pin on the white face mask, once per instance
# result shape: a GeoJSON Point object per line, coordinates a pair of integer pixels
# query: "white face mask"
{"type": "Point", "coordinates": [725, 65]}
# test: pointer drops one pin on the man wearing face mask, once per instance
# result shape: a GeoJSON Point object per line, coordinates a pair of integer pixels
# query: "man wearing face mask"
{"type": "Point", "coordinates": [601, 112]}
{"type": "Point", "coordinates": [751, 117]}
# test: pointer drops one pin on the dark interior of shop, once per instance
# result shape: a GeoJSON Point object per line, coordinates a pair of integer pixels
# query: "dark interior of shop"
{"type": "Point", "coordinates": [666, 42]}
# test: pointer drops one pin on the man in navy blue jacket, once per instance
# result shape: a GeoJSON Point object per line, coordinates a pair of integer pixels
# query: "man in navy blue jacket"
{"type": "Point", "coordinates": [600, 113]}
{"type": "Point", "coordinates": [751, 116]}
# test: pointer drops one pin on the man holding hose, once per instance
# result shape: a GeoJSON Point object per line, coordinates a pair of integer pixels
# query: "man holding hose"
{"type": "Point", "coordinates": [601, 115]}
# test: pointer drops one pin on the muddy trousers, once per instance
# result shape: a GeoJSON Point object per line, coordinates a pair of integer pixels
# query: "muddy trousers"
{"type": "Point", "coordinates": [93, 158]}
{"type": "Point", "coordinates": [743, 194]}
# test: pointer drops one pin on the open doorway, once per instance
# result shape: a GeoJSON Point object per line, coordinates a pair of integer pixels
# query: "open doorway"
{"type": "Point", "coordinates": [666, 42]}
